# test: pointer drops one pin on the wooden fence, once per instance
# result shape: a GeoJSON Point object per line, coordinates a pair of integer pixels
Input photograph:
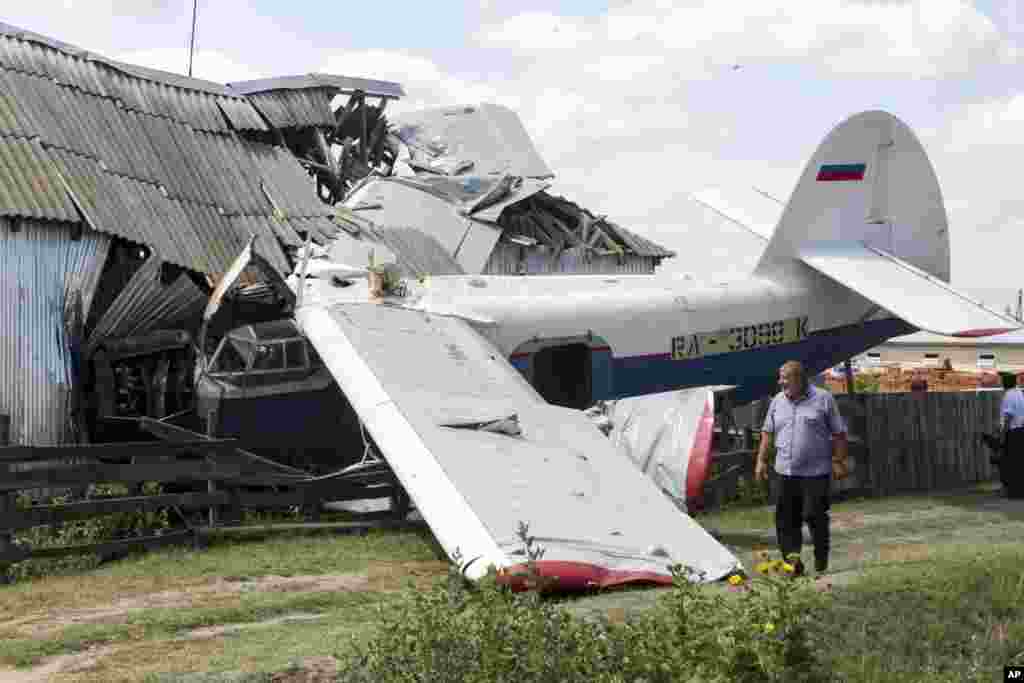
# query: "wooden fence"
{"type": "Point", "coordinates": [927, 441]}
{"type": "Point", "coordinates": [221, 479]}
{"type": "Point", "coordinates": [898, 442]}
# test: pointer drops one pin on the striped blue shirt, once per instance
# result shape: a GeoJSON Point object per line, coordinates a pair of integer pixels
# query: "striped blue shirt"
{"type": "Point", "coordinates": [1012, 408]}
{"type": "Point", "coordinates": [803, 432]}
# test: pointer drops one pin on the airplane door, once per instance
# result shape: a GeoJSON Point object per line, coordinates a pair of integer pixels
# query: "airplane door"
{"type": "Point", "coordinates": [563, 375]}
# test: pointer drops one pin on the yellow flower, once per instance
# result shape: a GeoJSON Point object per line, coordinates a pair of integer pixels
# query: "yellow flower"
{"type": "Point", "coordinates": [788, 568]}
{"type": "Point", "coordinates": [763, 567]}
{"type": "Point", "coordinates": [769, 627]}
{"type": "Point", "coordinates": [735, 580]}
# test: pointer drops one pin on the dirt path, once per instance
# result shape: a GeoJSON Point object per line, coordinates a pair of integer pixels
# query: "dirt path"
{"type": "Point", "coordinates": [379, 577]}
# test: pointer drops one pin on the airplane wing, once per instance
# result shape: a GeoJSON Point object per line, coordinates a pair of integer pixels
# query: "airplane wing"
{"type": "Point", "coordinates": [749, 208]}
{"type": "Point", "coordinates": [478, 451]}
{"type": "Point", "coordinates": [904, 290]}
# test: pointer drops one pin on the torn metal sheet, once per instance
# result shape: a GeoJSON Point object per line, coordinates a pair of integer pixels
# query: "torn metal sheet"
{"type": "Point", "coordinates": [407, 206]}
{"type": "Point", "coordinates": [408, 374]}
{"type": "Point", "coordinates": [490, 137]}
{"type": "Point", "coordinates": [477, 246]}
{"type": "Point", "coordinates": [144, 304]}
{"type": "Point", "coordinates": [524, 190]}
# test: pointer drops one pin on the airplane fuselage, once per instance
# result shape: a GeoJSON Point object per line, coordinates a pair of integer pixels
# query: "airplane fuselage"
{"type": "Point", "coordinates": [579, 339]}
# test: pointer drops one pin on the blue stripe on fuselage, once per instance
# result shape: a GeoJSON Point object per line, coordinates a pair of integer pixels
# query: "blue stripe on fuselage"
{"type": "Point", "coordinates": [755, 372]}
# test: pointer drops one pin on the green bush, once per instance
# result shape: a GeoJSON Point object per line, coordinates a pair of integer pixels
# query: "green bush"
{"type": "Point", "coordinates": [457, 632]}
{"type": "Point", "coordinates": [99, 529]}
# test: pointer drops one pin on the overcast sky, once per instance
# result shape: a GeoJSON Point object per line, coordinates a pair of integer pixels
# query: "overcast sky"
{"type": "Point", "coordinates": [636, 104]}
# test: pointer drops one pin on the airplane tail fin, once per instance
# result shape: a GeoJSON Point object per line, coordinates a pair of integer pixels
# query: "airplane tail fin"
{"type": "Point", "coordinates": [868, 214]}
{"type": "Point", "coordinates": [869, 181]}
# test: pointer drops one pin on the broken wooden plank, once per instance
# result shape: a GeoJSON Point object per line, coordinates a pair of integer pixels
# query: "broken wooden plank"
{"type": "Point", "coordinates": [91, 474]}
{"type": "Point", "coordinates": [115, 451]}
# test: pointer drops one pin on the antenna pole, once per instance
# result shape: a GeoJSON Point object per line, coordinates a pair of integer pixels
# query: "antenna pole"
{"type": "Point", "coordinates": [192, 39]}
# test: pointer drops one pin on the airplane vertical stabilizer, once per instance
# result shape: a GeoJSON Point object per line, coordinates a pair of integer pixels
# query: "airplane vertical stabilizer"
{"type": "Point", "coordinates": [870, 181]}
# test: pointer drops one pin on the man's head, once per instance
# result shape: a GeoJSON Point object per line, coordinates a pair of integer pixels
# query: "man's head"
{"type": "Point", "coordinates": [792, 379]}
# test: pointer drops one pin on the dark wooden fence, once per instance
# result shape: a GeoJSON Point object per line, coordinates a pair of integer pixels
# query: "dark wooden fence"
{"type": "Point", "coordinates": [221, 480]}
{"type": "Point", "coordinates": [899, 442]}
{"type": "Point", "coordinates": [927, 441]}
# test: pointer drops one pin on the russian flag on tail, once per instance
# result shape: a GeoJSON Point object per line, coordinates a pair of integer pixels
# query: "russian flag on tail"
{"type": "Point", "coordinates": [839, 172]}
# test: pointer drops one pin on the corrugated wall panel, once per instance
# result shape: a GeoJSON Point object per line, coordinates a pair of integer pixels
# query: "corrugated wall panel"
{"type": "Point", "coordinates": [39, 265]}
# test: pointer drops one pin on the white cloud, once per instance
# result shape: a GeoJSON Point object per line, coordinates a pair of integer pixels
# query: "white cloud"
{"type": "Point", "coordinates": [538, 31]}
{"type": "Point", "coordinates": [209, 65]}
{"type": "Point", "coordinates": [918, 39]}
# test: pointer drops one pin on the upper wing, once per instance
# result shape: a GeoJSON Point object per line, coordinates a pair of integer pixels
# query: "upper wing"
{"type": "Point", "coordinates": [904, 290]}
{"type": "Point", "coordinates": [422, 382]}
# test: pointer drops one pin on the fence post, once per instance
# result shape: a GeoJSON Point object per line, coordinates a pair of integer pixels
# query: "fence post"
{"type": "Point", "coordinates": [211, 485]}
{"type": "Point", "coordinates": [7, 505]}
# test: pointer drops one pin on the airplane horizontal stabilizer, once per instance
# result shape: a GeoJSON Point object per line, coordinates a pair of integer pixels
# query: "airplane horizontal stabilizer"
{"type": "Point", "coordinates": [479, 451]}
{"type": "Point", "coordinates": [904, 290]}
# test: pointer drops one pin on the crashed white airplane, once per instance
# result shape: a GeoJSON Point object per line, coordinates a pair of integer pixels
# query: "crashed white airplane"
{"type": "Point", "coordinates": [860, 254]}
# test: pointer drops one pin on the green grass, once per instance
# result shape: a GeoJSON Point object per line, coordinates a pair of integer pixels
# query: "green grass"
{"type": "Point", "coordinates": [956, 617]}
{"type": "Point", "coordinates": [278, 555]}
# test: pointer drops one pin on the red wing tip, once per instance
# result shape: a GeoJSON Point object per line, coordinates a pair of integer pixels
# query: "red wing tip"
{"type": "Point", "coordinates": [984, 332]}
{"type": "Point", "coordinates": [578, 576]}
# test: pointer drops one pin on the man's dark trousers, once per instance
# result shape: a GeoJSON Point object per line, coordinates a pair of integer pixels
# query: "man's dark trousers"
{"type": "Point", "coordinates": [803, 499]}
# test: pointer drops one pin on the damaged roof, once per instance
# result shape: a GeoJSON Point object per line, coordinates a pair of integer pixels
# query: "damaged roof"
{"type": "Point", "coordinates": [153, 157]}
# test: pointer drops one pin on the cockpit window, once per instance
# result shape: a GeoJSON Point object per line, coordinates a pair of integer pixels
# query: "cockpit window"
{"type": "Point", "coordinates": [228, 357]}
{"type": "Point", "coordinates": [269, 356]}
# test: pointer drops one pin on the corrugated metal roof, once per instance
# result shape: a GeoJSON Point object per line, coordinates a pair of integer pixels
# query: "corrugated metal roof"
{"type": "Point", "coordinates": [290, 185]}
{"type": "Point", "coordinates": [266, 240]}
{"type": "Point", "coordinates": [29, 184]}
{"type": "Point", "coordinates": [151, 157]}
{"type": "Point", "coordinates": [296, 108]}
{"type": "Point", "coordinates": [371, 87]}
{"type": "Point", "coordinates": [242, 115]}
